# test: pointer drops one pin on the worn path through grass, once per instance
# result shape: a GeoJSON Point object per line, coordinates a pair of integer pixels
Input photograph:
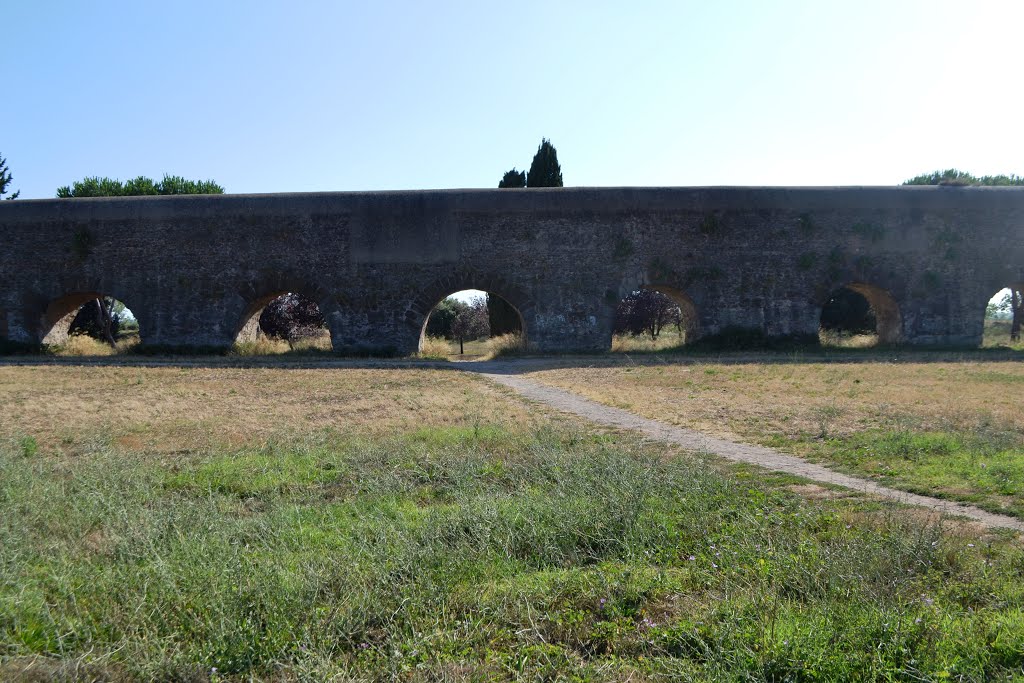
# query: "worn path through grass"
{"type": "Point", "coordinates": [738, 452]}
{"type": "Point", "coordinates": [927, 424]}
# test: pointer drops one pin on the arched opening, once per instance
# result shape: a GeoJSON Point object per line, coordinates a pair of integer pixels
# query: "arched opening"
{"type": "Point", "coordinates": [472, 324]}
{"type": "Point", "coordinates": [1004, 317]}
{"type": "Point", "coordinates": [283, 322]}
{"type": "Point", "coordinates": [859, 316]}
{"type": "Point", "coordinates": [654, 318]}
{"type": "Point", "coordinates": [89, 324]}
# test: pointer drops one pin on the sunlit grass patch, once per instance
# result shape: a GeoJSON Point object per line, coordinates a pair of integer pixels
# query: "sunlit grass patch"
{"type": "Point", "coordinates": [437, 348]}
{"type": "Point", "coordinates": [948, 429]}
{"type": "Point", "coordinates": [982, 467]}
{"type": "Point", "coordinates": [837, 339]}
{"type": "Point", "coordinates": [255, 473]}
{"type": "Point", "coordinates": [627, 343]}
{"type": "Point", "coordinates": [506, 345]}
{"type": "Point", "coordinates": [273, 346]}
{"type": "Point", "coordinates": [997, 334]}
{"type": "Point", "coordinates": [480, 548]}
{"type": "Point", "coordinates": [198, 409]}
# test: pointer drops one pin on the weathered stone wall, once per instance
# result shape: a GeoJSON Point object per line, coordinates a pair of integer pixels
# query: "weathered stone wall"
{"type": "Point", "coordinates": [195, 269]}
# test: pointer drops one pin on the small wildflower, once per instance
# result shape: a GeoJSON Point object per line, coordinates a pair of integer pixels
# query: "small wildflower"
{"type": "Point", "coordinates": [691, 558]}
{"type": "Point", "coordinates": [970, 545]}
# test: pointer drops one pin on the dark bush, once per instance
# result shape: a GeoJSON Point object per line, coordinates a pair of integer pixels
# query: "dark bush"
{"type": "Point", "coordinates": [292, 317]}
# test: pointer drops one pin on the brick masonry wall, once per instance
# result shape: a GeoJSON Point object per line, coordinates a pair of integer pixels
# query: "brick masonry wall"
{"type": "Point", "coordinates": [195, 269]}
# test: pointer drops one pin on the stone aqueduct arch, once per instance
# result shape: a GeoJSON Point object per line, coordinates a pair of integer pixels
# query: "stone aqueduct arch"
{"type": "Point", "coordinates": [196, 269]}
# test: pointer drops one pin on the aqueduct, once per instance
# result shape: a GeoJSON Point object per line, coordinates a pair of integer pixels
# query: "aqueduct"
{"type": "Point", "coordinates": [196, 269]}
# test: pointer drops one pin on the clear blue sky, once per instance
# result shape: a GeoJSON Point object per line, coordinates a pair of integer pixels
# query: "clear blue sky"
{"type": "Point", "coordinates": [305, 96]}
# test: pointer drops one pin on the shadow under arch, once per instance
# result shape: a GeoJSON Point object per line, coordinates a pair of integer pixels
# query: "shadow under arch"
{"type": "Point", "coordinates": [430, 296]}
{"type": "Point", "coordinates": [55, 322]}
{"type": "Point", "coordinates": [889, 322]}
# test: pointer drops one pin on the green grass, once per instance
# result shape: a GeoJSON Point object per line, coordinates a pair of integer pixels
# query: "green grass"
{"type": "Point", "coordinates": [479, 553]}
{"type": "Point", "coordinates": [982, 466]}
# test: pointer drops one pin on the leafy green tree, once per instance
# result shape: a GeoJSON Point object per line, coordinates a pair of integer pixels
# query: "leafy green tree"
{"type": "Point", "coordinates": [94, 186]}
{"type": "Point", "coordinates": [513, 178]}
{"type": "Point", "coordinates": [104, 318]}
{"type": "Point", "coordinates": [439, 324]}
{"type": "Point", "coordinates": [952, 176]}
{"type": "Point", "coordinates": [5, 179]}
{"type": "Point", "coordinates": [544, 170]}
{"type": "Point", "coordinates": [471, 323]}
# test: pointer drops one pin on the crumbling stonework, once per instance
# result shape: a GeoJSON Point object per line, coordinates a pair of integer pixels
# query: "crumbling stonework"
{"type": "Point", "coordinates": [196, 269]}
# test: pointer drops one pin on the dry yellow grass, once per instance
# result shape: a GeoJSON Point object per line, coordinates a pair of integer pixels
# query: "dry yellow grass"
{"type": "Point", "coordinates": [505, 344]}
{"type": "Point", "coordinates": [435, 347]}
{"type": "Point", "coordinates": [755, 401]}
{"type": "Point", "coordinates": [83, 345]}
{"type": "Point", "coordinates": [170, 409]}
{"type": "Point", "coordinates": [474, 349]}
{"type": "Point", "coordinates": [626, 343]}
{"type": "Point", "coordinates": [847, 341]}
{"type": "Point", "coordinates": [272, 346]}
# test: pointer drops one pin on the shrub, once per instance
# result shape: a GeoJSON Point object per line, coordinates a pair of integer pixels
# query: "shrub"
{"type": "Point", "coordinates": [506, 345]}
{"type": "Point", "coordinates": [263, 346]}
{"type": "Point", "coordinates": [84, 345]}
{"type": "Point", "coordinates": [435, 347]}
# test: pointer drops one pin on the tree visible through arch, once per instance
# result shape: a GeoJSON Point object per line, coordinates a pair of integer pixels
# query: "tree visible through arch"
{"type": "Point", "coordinates": [1004, 315]}
{"type": "Point", "coordinates": [462, 318]}
{"type": "Point", "coordinates": [663, 316]}
{"type": "Point", "coordinates": [288, 318]}
{"type": "Point", "coordinates": [94, 315]}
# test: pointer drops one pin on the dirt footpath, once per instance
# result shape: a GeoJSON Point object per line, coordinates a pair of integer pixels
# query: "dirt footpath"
{"type": "Point", "coordinates": [738, 452]}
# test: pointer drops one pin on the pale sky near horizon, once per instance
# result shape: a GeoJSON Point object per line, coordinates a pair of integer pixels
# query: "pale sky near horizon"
{"type": "Point", "coordinates": [311, 96]}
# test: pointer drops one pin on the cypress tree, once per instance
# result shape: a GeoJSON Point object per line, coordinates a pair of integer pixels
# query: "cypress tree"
{"type": "Point", "coordinates": [545, 171]}
{"type": "Point", "coordinates": [5, 179]}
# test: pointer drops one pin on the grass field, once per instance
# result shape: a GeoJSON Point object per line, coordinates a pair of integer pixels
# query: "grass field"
{"type": "Point", "coordinates": [439, 348]}
{"type": "Point", "coordinates": [997, 333]}
{"type": "Point", "coordinates": [282, 524]}
{"type": "Point", "coordinates": [954, 430]}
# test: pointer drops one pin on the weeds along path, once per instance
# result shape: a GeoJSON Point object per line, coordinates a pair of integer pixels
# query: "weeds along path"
{"type": "Point", "coordinates": [738, 452]}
